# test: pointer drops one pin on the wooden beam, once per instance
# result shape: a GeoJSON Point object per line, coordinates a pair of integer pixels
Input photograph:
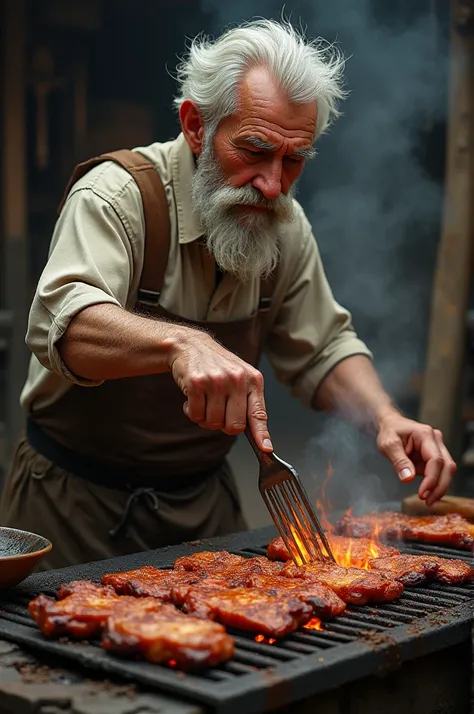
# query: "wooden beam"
{"type": "Point", "coordinates": [452, 281]}
{"type": "Point", "coordinates": [15, 249]}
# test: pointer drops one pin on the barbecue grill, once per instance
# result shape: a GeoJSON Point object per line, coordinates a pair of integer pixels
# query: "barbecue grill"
{"type": "Point", "coordinates": [414, 653]}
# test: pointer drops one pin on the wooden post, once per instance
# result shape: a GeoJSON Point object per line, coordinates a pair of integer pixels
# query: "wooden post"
{"type": "Point", "coordinates": [452, 280]}
{"type": "Point", "coordinates": [15, 249]}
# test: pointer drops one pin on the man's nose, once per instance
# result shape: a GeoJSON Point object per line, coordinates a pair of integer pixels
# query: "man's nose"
{"type": "Point", "coordinates": [268, 181]}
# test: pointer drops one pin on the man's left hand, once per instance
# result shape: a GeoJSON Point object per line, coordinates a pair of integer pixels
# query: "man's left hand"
{"type": "Point", "coordinates": [417, 449]}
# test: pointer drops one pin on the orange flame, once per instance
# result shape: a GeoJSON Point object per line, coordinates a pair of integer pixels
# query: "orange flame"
{"type": "Point", "coordinates": [348, 553]}
{"type": "Point", "coordinates": [301, 548]}
{"type": "Point", "coordinates": [314, 624]}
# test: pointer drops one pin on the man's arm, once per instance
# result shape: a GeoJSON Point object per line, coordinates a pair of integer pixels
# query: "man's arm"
{"type": "Point", "coordinates": [105, 341]}
{"type": "Point", "coordinates": [222, 391]}
{"type": "Point", "coordinates": [353, 390]}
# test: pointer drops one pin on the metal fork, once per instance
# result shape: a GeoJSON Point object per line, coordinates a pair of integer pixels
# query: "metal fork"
{"type": "Point", "coordinates": [289, 507]}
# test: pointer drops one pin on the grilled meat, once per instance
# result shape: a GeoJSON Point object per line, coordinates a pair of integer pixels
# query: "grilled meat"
{"type": "Point", "coordinates": [453, 571]}
{"type": "Point", "coordinates": [351, 584]}
{"type": "Point", "coordinates": [148, 581]}
{"type": "Point", "coordinates": [268, 612]}
{"type": "Point", "coordinates": [373, 525]}
{"type": "Point", "coordinates": [208, 561]}
{"type": "Point", "coordinates": [323, 600]}
{"type": "Point", "coordinates": [83, 614]}
{"type": "Point", "coordinates": [82, 586]}
{"type": "Point", "coordinates": [166, 636]}
{"type": "Point", "coordinates": [410, 570]}
{"type": "Point", "coordinates": [407, 569]}
{"type": "Point", "coordinates": [450, 529]}
{"type": "Point", "coordinates": [344, 549]}
{"type": "Point", "coordinates": [233, 569]}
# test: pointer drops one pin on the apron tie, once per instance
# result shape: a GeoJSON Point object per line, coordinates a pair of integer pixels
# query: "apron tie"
{"type": "Point", "coordinates": [134, 496]}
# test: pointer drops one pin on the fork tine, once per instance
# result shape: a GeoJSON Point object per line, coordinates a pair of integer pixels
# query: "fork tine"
{"type": "Point", "coordinates": [289, 507]}
{"type": "Point", "coordinates": [301, 496]}
{"type": "Point", "coordinates": [280, 521]}
{"type": "Point", "coordinates": [308, 528]}
{"type": "Point", "coordinates": [309, 517]}
{"type": "Point", "coordinates": [311, 545]}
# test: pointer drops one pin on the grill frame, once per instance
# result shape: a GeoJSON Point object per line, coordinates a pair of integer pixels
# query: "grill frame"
{"type": "Point", "coordinates": [292, 673]}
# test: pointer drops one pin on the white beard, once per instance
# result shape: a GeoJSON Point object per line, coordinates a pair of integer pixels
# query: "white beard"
{"type": "Point", "coordinates": [247, 245]}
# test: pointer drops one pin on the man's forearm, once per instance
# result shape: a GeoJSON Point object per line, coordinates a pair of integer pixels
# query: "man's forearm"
{"type": "Point", "coordinates": [106, 342]}
{"type": "Point", "coordinates": [354, 391]}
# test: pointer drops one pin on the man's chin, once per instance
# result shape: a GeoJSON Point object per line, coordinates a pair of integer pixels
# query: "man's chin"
{"type": "Point", "coordinates": [253, 218]}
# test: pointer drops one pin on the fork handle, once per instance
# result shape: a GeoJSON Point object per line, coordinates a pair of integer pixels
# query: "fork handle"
{"type": "Point", "coordinates": [262, 456]}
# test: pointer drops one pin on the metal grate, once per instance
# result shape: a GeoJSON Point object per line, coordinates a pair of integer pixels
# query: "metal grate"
{"type": "Point", "coordinates": [362, 641]}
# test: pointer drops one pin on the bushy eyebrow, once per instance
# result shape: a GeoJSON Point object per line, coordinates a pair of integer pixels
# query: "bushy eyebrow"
{"type": "Point", "coordinates": [268, 146]}
{"type": "Point", "coordinates": [307, 154]}
{"type": "Point", "coordinates": [259, 144]}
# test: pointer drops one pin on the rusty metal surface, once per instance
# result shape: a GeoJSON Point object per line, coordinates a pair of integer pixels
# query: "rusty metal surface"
{"type": "Point", "coordinates": [362, 642]}
{"type": "Point", "coordinates": [31, 686]}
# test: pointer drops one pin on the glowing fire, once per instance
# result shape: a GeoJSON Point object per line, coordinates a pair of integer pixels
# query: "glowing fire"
{"type": "Point", "coordinates": [172, 663]}
{"type": "Point", "coordinates": [347, 552]}
{"type": "Point", "coordinates": [314, 624]}
{"type": "Point", "coordinates": [265, 640]}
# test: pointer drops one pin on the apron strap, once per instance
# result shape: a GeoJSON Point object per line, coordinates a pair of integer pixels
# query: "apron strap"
{"type": "Point", "coordinates": [156, 215]}
{"type": "Point", "coordinates": [157, 224]}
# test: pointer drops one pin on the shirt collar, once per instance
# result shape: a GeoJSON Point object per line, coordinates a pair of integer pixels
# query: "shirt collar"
{"type": "Point", "coordinates": [182, 169]}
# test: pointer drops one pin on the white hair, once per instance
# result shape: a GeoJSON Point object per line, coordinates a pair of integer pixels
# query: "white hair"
{"type": "Point", "coordinates": [307, 71]}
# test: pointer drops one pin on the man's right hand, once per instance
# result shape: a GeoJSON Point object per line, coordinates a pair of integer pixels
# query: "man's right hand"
{"type": "Point", "coordinates": [222, 391]}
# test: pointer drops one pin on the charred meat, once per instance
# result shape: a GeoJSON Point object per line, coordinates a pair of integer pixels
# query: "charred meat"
{"type": "Point", "coordinates": [453, 571]}
{"type": "Point", "coordinates": [351, 584]}
{"type": "Point", "coordinates": [167, 636]}
{"type": "Point", "coordinates": [148, 581]}
{"type": "Point", "coordinates": [323, 600]}
{"type": "Point", "coordinates": [271, 613]}
{"type": "Point", "coordinates": [407, 569]}
{"type": "Point", "coordinates": [450, 529]}
{"type": "Point", "coordinates": [83, 614]}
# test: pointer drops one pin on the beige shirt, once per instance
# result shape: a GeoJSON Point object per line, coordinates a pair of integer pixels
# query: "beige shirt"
{"type": "Point", "coordinates": [96, 256]}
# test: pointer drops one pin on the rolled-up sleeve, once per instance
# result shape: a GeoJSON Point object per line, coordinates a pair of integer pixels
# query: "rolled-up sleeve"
{"type": "Point", "coordinates": [311, 333]}
{"type": "Point", "coordinates": [90, 262]}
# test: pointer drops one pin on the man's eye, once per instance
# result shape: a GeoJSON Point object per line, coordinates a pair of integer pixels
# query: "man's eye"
{"type": "Point", "coordinates": [294, 159]}
{"type": "Point", "coordinates": [251, 153]}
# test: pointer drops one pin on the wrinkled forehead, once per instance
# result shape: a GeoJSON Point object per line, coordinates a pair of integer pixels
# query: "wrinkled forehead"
{"type": "Point", "coordinates": [262, 104]}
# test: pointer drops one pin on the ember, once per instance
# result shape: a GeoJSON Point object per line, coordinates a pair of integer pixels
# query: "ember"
{"type": "Point", "coordinates": [314, 624]}
{"type": "Point", "coordinates": [265, 640]}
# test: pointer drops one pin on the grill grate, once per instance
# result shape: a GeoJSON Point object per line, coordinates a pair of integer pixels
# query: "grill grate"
{"type": "Point", "coordinates": [361, 641]}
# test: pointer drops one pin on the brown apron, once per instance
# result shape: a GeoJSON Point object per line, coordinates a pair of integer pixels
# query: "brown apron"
{"type": "Point", "coordinates": [158, 479]}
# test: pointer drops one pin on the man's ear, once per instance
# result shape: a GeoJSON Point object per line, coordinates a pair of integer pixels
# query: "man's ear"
{"type": "Point", "coordinates": [192, 125]}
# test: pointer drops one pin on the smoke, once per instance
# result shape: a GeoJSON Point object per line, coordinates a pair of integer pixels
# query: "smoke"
{"type": "Point", "coordinates": [373, 203]}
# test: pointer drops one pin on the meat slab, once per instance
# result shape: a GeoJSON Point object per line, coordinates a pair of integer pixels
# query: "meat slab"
{"type": "Point", "coordinates": [351, 584]}
{"type": "Point", "coordinates": [450, 529]}
{"type": "Point", "coordinates": [167, 636]}
{"type": "Point", "coordinates": [275, 614]}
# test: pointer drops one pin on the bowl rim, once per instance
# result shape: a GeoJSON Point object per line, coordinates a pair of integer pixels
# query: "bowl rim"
{"type": "Point", "coordinates": [41, 551]}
